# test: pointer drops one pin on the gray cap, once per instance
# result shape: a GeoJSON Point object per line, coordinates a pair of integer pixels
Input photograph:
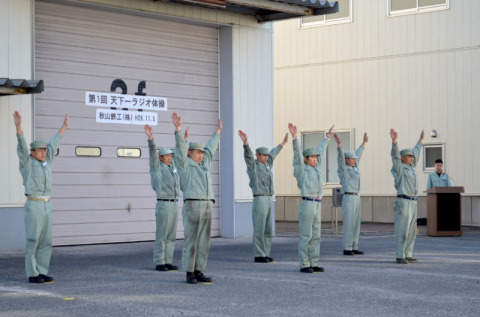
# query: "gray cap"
{"type": "Point", "coordinates": [310, 152]}
{"type": "Point", "coordinates": [350, 155]}
{"type": "Point", "coordinates": [262, 150]}
{"type": "Point", "coordinates": [406, 152]}
{"type": "Point", "coordinates": [196, 146]}
{"type": "Point", "coordinates": [164, 151]}
{"type": "Point", "coordinates": [38, 144]}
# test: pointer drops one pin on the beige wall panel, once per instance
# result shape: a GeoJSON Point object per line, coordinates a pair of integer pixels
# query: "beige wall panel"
{"type": "Point", "coordinates": [280, 208]}
{"type": "Point", "coordinates": [367, 209]}
{"type": "Point", "coordinates": [475, 211]}
{"type": "Point", "coordinates": [466, 211]}
{"type": "Point", "coordinates": [383, 209]}
{"type": "Point", "coordinates": [292, 205]}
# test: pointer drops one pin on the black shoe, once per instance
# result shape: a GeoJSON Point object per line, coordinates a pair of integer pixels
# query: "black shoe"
{"type": "Point", "coordinates": [402, 261]}
{"type": "Point", "coordinates": [348, 252]}
{"type": "Point", "coordinates": [261, 259]}
{"type": "Point", "coordinates": [171, 267]}
{"type": "Point", "coordinates": [271, 260]}
{"type": "Point", "coordinates": [191, 278]}
{"type": "Point", "coordinates": [46, 278]}
{"type": "Point", "coordinates": [36, 279]}
{"type": "Point", "coordinates": [162, 268]}
{"type": "Point", "coordinates": [357, 252]}
{"type": "Point", "coordinates": [411, 260]}
{"type": "Point", "coordinates": [202, 278]}
{"type": "Point", "coordinates": [317, 269]}
{"type": "Point", "coordinates": [306, 270]}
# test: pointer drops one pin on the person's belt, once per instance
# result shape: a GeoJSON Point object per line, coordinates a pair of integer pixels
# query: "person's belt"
{"type": "Point", "coordinates": [159, 199]}
{"type": "Point", "coordinates": [38, 198]}
{"type": "Point", "coordinates": [348, 193]}
{"type": "Point", "coordinates": [407, 197]}
{"type": "Point", "coordinates": [312, 199]}
{"type": "Point", "coordinates": [262, 195]}
{"type": "Point", "coordinates": [193, 199]}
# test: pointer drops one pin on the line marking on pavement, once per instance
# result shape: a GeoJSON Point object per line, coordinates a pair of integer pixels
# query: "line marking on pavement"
{"type": "Point", "coordinates": [18, 290]}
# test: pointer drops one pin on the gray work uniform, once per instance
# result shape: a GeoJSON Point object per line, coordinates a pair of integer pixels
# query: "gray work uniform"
{"type": "Point", "coordinates": [405, 178]}
{"type": "Point", "coordinates": [351, 204]}
{"type": "Point", "coordinates": [435, 180]}
{"type": "Point", "coordinates": [196, 184]}
{"type": "Point", "coordinates": [166, 184]}
{"type": "Point", "coordinates": [261, 183]}
{"type": "Point", "coordinates": [310, 182]}
{"type": "Point", "coordinates": [37, 179]}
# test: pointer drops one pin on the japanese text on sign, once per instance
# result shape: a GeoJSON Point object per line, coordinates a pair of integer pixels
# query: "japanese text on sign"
{"type": "Point", "coordinates": [126, 117]}
{"type": "Point", "coordinates": [104, 99]}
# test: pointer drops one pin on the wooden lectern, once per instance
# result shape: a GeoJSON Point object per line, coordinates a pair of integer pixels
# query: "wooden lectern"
{"type": "Point", "coordinates": [444, 211]}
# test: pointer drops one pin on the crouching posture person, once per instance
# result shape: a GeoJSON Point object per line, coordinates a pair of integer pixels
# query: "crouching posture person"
{"type": "Point", "coordinates": [193, 166]}
{"type": "Point", "coordinates": [37, 179]}
{"type": "Point", "coordinates": [308, 172]}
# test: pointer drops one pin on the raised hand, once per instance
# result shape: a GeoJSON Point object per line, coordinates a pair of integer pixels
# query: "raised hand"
{"type": "Point", "coordinates": [394, 136]}
{"type": "Point", "coordinates": [149, 131]}
{"type": "Point", "coordinates": [185, 137]}
{"type": "Point", "coordinates": [285, 139]}
{"type": "Point", "coordinates": [422, 135]}
{"type": "Point", "coordinates": [177, 121]}
{"type": "Point", "coordinates": [220, 126]}
{"type": "Point", "coordinates": [293, 129]}
{"type": "Point", "coordinates": [337, 139]}
{"type": "Point", "coordinates": [64, 126]}
{"type": "Point", "coordinates": [17, 118]}
{"type": "Point", "coordinates": [65, 121]}
{"type": "Point", "coordinates": [329, 134]}
{"type": "Point", "coordinates": [243, 136]}
{"type": "Point", "coordinates": [365, 139]}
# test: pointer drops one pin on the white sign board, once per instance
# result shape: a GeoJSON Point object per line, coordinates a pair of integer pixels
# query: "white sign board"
{"type": "Point", "coordinates": [126, 117]}
{"type": "Point", "coordinates": [104, 99]}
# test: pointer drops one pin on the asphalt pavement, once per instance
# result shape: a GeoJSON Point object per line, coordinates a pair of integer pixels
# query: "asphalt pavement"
{"type": "Point", "coordinates": [120, 280]}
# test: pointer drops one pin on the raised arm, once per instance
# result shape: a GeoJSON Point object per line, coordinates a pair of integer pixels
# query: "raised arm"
{"type": "Point", "coordinates": [22, 147]}
{"type": "Point", "coordinates": [360, 149]}
{"type": "Point", "coordinates": [180, 157]}
{"type": "Point", "coordinates": [322, 147]}
{"type": "Point", "coordinates": [298, 163]}
{"type": "Point", "coordinates": [212, 145]}
{"type": "Point", "coordinates": [274, 152]}
{"type": "Point", "coordinates": [395, 153]}
{"type": "Point", "coordinates": [54, 142]}
{"type": "Point", "coordinates": [64, 126]}
{"type": "Point", "coordinates": [341, 157]}
{"type": "Point", "coordinates": [417, 148]}
{"type": "Point", "coordinates": [152, 148]}
{"type": "Point", "coordinates": [247, 151]}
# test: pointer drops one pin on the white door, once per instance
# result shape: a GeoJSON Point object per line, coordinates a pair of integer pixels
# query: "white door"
{"type": "Point", "coordinates": [109, 198]}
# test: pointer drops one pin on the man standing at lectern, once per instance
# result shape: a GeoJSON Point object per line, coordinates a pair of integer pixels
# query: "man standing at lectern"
{"type": "Point", "coordinates": [438, 178]}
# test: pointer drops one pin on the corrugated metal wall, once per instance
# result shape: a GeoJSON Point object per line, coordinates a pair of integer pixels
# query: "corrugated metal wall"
{"type": "Point", "coordinates": [109, 199]}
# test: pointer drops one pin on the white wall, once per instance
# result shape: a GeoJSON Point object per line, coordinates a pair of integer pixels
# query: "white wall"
{"type": "Point", "coordinates": [15, 63]}
{"type": "Point", "coordinates": [408, 72]}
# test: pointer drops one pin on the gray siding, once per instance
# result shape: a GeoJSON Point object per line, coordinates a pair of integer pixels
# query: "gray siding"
{"type": "Point", "coordinates": [109, 199]}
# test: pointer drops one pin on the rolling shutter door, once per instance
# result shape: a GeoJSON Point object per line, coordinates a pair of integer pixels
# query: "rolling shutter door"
{"type": "Point", "coordinates": [109, 198]}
